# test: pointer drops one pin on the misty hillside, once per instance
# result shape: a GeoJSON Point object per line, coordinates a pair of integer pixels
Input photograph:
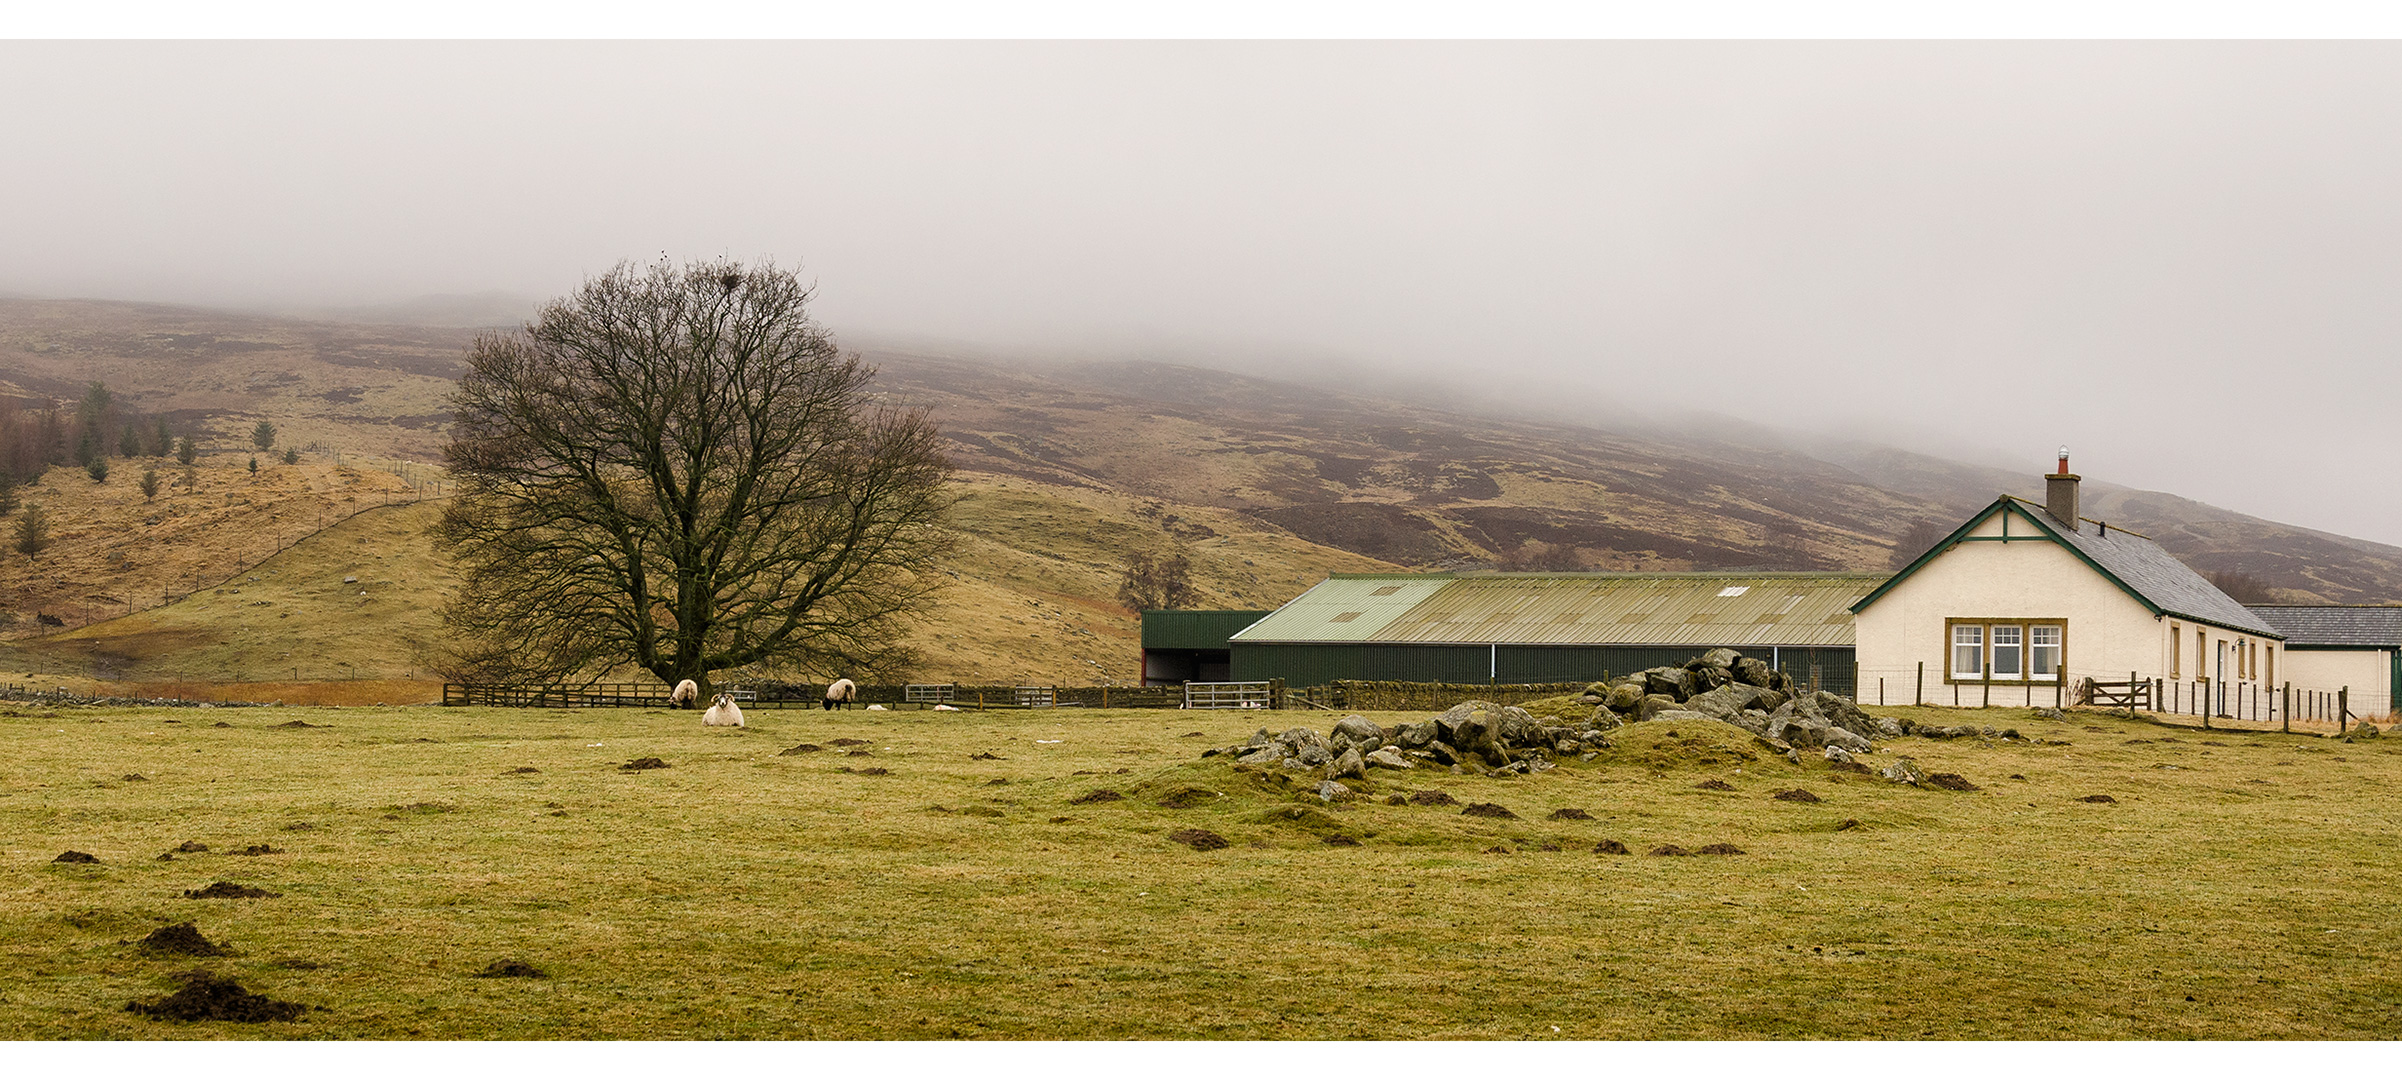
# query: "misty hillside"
{"type": "Point", "coordinates": [1425, 487]}
{"type": "Point", "coordinates": [1064, 469]}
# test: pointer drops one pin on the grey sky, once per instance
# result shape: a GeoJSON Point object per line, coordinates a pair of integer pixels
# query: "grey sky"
{"type": "Point", "coordinates": [2180, 259]}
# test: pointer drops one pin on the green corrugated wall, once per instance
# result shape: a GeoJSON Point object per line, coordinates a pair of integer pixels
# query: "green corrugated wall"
{"type": "Point", "coordinates": [1319, 663]}
{"type": "Point", "coordinates": [1194, 629]}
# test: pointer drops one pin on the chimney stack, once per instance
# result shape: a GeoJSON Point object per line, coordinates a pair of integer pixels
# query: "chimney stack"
{"type": "Point", "coordinates": [2060, 493]}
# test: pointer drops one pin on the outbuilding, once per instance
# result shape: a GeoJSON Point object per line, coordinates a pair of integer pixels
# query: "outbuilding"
{"type": "Point", "coordinates": [1489, 627]}
{"type": "Point", "coordinates": [2023, 602]}
{"type": "Point", "coordinates": [2355, 649]}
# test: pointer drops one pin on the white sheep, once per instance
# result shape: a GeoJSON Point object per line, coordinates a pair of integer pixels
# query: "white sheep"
{"type": "Point", "coordinates": [686, 695]}
{"type": "Point", "coordinates": [844, 691]}
{"type": "Point", "coordinates": [723, 713]}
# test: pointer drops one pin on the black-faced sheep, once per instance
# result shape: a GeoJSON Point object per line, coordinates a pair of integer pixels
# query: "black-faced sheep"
{"type": "Point", "coordinates": [723, 713]}
{"type": "Point", "coordinates": [843, 691]}
{"type": "Point", "coordinates": [686, 695]}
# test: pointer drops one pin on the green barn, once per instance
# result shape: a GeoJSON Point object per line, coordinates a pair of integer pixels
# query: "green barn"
{"type": "Point", "coordinates": [1475, 627]}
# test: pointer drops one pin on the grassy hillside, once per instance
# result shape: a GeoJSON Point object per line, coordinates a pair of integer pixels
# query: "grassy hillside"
{"type": "Point", "coordinates": [960, 879]}
{"type": "Point", "coordinates": [1032, 596]}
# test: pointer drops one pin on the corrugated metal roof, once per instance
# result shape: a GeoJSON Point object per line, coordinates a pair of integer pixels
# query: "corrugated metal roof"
{"type": "Point", "coordinates": [2334, 625]}
{"type": "Point", "coordinates": [1703, 609]}
{"type": "Point", "coordinates": [1345, 608]}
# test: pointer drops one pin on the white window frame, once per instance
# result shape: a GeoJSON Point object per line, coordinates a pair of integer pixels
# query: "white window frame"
{"type": "Point", "coordinates": [1961, 634]}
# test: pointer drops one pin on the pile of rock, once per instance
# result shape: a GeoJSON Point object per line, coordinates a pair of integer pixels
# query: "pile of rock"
{"type": "Point", "coordinates": [1721, 685]}
{"type": "Point", "coordinates": [1472, 734]}
{"type": "Point", "coordinates": [1729, 687]}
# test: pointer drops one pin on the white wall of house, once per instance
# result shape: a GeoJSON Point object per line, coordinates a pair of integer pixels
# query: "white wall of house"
{"type": "Point", "coordinates": [2367, 672]}
{"type": "Point", "coordinates": [2106, 632]}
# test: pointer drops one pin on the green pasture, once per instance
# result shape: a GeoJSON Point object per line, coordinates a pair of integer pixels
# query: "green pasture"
{"type": "Point", "coordinates": [2240, 886]}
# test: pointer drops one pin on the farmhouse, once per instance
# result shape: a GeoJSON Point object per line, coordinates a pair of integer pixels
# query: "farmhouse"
{"type": "Point", "coordinates": [2022, 603]}
{"type": "Point", "coordinates": [1477, 627]}
{"type": "Point", "coordinates": [2357, 648]}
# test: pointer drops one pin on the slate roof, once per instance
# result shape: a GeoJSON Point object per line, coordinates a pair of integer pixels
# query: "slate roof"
{"type": "Point", "coordinates": [1703, 609]}
{"type": "Point", "coordinates": [2337, 626]}
{"type": "Point", "coordinates": [2133, 561]}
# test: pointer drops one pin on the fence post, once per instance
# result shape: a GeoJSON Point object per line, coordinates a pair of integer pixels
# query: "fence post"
{"type": "Point", "coordinates": [2130, 695]}
{"type": "Point", "coordinates": [1880, 693]}
{"type": "Point", "coordinates": [2286, 715]}
{"type": "Point", "coordinates": [2343, 708]}
{"type": "Point", "coordinates": [1988, 677]}
{"type": "Point", "coordinates": [1919, 696]}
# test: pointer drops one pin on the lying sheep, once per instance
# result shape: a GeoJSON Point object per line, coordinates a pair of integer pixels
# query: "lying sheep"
{"type": "Point", "coordinates": [686, 695]}
{"type": "Point", "coordinates": [842, 690]}
{"type": "Point", "coordinates": [723, 713]}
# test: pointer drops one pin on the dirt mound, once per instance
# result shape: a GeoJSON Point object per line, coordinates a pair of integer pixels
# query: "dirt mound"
{"type": "Point", "coordinates": [1431, 797]}
{"type": "Point", "coordinates": [522, 770]}
{"type": "Point", "coordinates": [1499, 849]}
{"type": "Point", "coordinates": [872, 770]}
{"type": "Point", "coordinates": [76, 857]}
{"type": "Point", "coordinates": [1491, 810]}
{"type": "Point", "coordinates": [510, 969]}
{"type": "Point", "coordinates": [1570, 813]}
{"type": "Point", "coordinates": [428, 808]}
{"type": "Point", "coordinates": [846, 742]}
{"type": "Point", "coordinates": [208, 996]}
{"type": "Point", "coordinates": [641, 763]}
{"type": "Point", "coordinates": [220, 723]}
{"type": "Point", "coordinates": [979, 811]}
{"type": "Point", "coordinates": [1720, 849]}
{"type": "Point", "coordinates": [133, 776]}
{"type": "Point", "coordinates": [1187, 798]}
{"type": "Point", "coordinates": [1715, 784]}
{"type": "Point", "coordinates": [189, 847]}
{"type": "Point", "coordinates": [1095, 796]}
{"type": "Point", "coordinates": [1849, 824]}
{"type": "Point", "coordinates": [298, 724]}
{"type": "Point", "coordinates": [1340, 840]}
{"type": "Point", "coordinates": [1610, 847]}
{"type": "Point", "coordinates": [181, 939]}
{"type": "Point", "coordinates": [1194, 735]}
{"type": "Point", "coordinates": [1951, 781]}
{"type": "Point", "coordinates": [986, 756]}
{"type": "Point", "coordinates": [804, 748]}
{"type": "Point", "coordinates": [2097, 799]}
{"type": "Point", "coordinates": [1669, 849]}
{"type": "Point", "coordinates": [1198, 839]}
{"type": "Point", "coordinates": [858, 753]}
{"type": "Point", "coordinates": [226, 890]}
{"type": "Point", "coordinates": [260, 849]}
{"type": "Point", "coordinates": [1798, 795]}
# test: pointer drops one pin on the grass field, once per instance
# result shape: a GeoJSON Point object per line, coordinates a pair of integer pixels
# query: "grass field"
{"type": "Point", "coordinates": [2240, 886]}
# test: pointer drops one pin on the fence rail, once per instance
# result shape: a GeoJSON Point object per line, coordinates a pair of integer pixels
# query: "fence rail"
{"type": "Point", "coordinates": [1228, 695]}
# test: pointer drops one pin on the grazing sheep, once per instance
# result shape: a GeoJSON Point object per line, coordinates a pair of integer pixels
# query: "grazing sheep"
{"type": "Point", "coordinates": [844, 691]}
{"type": "Point", "coordinates": [723, 713]}
{"type": "Point", "coordinates": [686, 695]}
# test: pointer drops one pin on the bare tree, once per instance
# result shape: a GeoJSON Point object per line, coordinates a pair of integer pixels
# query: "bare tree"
{"type": "Point", "coordinates": [1157, 583]}
{"type": "Point", "coordinates": [676, 468]}
{"type": "Point", "coordinates": [1916, 541]}
{"type": "Point", "coordinates": [2239, 586]}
